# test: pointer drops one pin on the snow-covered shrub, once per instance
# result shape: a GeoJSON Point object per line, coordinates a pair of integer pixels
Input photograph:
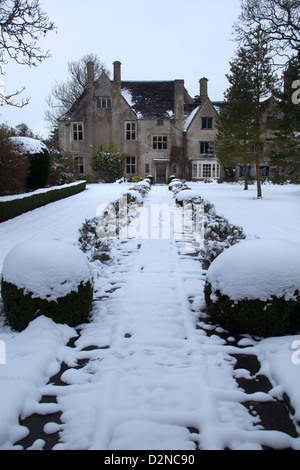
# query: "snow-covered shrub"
{"type": "Point", "coordinates": [48, 278]}
{"type": "Point", "coordinates": [171, 178]}
{"type": "Point", "coordinates": [109, 162]}
{"type": "Point", "coordinates": [187, 196]}
{"type": "Point", "coordinates": [219, 233]}
{"type": "Point", "coordinates": [150, 177]}
{"type": "Point", "coordinates": [177, 187]}
{"type": "Point", "coordinates": [175, 183]}
{"type": "Point", "coordinates": [96, 248]}
{"type": "Point", "coordinates": [97, 234]}
{"type": "Point", "coordinates": [39, 160]}
{"type": "Point", "coordinates": [13, 168]}
{"type": "Point", "coordinates": [253, 287]}
{"type": "Point", "coordinates": [143, 187]}
{"type": "Point", "coordinates": [62, 169]}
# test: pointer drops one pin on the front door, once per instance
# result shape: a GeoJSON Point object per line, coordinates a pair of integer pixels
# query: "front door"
{"type": "Point", "coordinates": [161, 170]}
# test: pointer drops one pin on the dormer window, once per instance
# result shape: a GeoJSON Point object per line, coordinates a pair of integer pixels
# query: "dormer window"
{"type": "Point", "coordinates": [104, 103]}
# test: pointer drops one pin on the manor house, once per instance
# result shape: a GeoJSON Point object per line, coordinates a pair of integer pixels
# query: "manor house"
{"type": "Point", "coordinates": [161, 129]}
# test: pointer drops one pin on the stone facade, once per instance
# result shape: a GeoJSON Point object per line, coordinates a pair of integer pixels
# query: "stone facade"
{"type": "Point", "coordinates": [161, 129]}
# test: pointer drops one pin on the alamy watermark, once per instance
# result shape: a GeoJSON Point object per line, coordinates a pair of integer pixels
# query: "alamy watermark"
{"type": "Point", "coordinates": [157, 221]}
{"type": "Point", "coordinates": [2, 353]}
{"type": "Point", "coordinates": [296, 354]}
{"type": "Point", "coordinates": [2, 93]}
{"type": "Point", "coordinates": [296, 94]}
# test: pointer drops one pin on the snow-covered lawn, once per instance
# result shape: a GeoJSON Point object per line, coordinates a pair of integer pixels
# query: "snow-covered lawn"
{"type": "Point", "coordinates": [145, 373]}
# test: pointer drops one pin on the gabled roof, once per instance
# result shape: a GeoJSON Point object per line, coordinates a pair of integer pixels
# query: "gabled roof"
{"type": "Point", "coordinates": [151, 99]}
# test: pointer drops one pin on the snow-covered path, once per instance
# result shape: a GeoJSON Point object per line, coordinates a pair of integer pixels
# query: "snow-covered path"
{"type": "Point", "coordinates": [150, 376]}
{"type": "Point", "coordinates": [148, 371]}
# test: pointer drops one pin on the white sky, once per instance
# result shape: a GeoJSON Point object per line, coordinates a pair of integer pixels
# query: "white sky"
{"type": "Point", "coordinates": [155, 40]}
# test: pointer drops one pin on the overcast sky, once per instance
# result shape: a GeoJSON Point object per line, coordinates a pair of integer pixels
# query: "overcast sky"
{"type": "Point", "coordinates": [155, 40]}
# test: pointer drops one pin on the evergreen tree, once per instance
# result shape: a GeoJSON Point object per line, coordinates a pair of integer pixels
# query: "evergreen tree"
{"type": "Point", "coordinates": [284, 145]}
{"type": "Point", "coordinates": [235, 136]}
{"type": "Point", "coordinates": [257, 60]}
{"type": "Point", "coordinates": [240, 124]}
{"type": "Point", "coordinates": [109, 162]}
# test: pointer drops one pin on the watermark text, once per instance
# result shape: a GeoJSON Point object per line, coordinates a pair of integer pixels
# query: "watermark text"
{"type": "Point", "coordinates": [2, 353]}
{"type": "Point", "coordinates": [155, 222]}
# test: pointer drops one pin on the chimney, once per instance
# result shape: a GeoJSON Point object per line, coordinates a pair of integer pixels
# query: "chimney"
{"type": "Point", "coordinates": [117, 78]}
{"type": "Point", "coordinates": [117, 72]}
{"type": "Point", "coordinates": [90, 74]}
{"type": "Point", "coordinates": [203, 88]}
{"type": "Point", "coordinates": [179, 102]}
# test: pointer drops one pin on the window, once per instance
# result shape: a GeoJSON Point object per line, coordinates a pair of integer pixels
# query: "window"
{"type": "Point", "coordinates": [131, 130]}
{"type": "Point", "coordinates": [264, 171]}
{"type": "Point", "coordinates": [207, 123]}
{"type": "Point", "coordinates": [77, 131]}
{"type": "Point", "coordinates": [242, 171]}
{"type": "Point", "coordinates": [104, 103]}
{"type": "Point", "coordinates": [130, 165]}
{"type": "Point", "coordinates": [206, 149]}
{"type": "Point", "coordinates": [79, 164]}
{"type": "Point", "coordinates": [160, 142]}
{"type": "Point", "coordinates": [195, 170]}
{"type": "Point", "coordinates": [174, 169]}
{"type": "Point", "coordinates": [206, 170]}
{"type": "Point", "coordinates": [160, 122]}
{"type": "Point", "coordinates": [147, 168]}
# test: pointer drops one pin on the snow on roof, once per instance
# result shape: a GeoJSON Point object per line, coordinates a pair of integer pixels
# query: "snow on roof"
{"type": "Point", "coordinates": [189, 118]}
{"type": "Point", "coordinates": [28, 145]}
{"type": "Point", "coordinates": [127, 96]}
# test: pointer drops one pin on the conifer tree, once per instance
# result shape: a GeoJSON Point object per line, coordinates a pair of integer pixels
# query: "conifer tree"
{"type": "Point", "coordinates": [235, 136]}
{"type": "Point", "coordinates": [263, 80]}
{"type": "Point", "coordinates": [284, 145]}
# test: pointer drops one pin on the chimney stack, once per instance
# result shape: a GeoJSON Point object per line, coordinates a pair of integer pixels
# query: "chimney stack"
{"type": "Point", "coordinates": [203, 88]}
{"type": "Point", "coordinates": [90, 74]}
{"type": "Point", "coordinates": [117, 79]}
{"type": "Point", "coordinates": [179, 102]}
{"type": "Point", "coordinates": [117, 72]}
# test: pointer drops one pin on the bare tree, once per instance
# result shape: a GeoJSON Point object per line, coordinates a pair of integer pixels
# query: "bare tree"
{"type": "Point", "coordinates": [65, 94]}
{"type": "Point", "coordinates": [22, 23]}
{"type": "Point", "coordinates": [278, 19]}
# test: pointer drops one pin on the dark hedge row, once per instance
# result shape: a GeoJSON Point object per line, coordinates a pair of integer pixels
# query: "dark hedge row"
{"type": "Point", "coordinates": [21, 308]}
{"type": "Point", "coordinates": [15, 207]}
{"type": "Point", "coordinates": [274, 317]}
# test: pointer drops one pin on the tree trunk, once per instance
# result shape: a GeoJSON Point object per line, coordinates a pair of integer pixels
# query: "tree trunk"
{"type": "Point", "coordinates": [259, 192]}
{"type": "Point", "coordinates": [258, 133]}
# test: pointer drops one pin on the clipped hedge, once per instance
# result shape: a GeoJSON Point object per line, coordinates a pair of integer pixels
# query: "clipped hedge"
{"type": "Point", "coordinates": [274, 317]}
{"type": "Point", "coordinates": [21, 308]}
{"type": "Point", "coordinates": [17, 206]}
{"type": "Point", "coordinates": [254, 287]}
{"type": "Point", "coordinates": [46, 277]}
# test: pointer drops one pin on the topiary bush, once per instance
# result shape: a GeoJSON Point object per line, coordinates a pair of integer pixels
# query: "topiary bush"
{"type": "Point", "coordinates": [39, 170]}
{"type": "Point", "coordinates": [39, 160]}
{"type": "Point", "coordinates": [253, 287]}
{"type": "Point", "coordinates": [46, 278]}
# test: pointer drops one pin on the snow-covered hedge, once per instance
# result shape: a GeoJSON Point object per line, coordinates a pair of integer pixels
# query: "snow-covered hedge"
{"type": "Point", "coordinates": [219, 233]}
{"type": "Point", "coordinates": [253, 287]}
{"type": "Point", "coordinates": [12, 206]}
{"type": "Point", "coordinates": [48, 278]}
{"type": "Point", "coordinates": [97, 234]}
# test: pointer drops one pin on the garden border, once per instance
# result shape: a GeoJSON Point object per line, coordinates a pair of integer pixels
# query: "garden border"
{"type": "Point", "coordinates": [13, 206]}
